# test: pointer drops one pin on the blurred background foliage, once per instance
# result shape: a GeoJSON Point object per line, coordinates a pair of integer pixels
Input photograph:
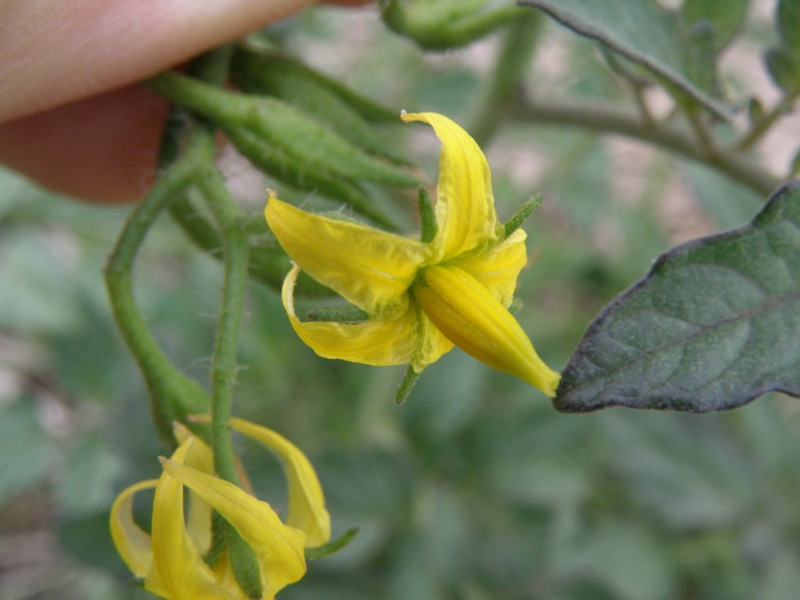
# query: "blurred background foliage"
{"type": "Point", "coordinates": [475, 488]}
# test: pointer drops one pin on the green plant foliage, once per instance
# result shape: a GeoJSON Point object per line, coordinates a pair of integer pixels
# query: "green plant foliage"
{"type": "Point", "coordinates": [712, 326]}
{"type": "Point", "coordinates": [473, 488]}
{"type": "Point", "coordinates": [644, 33]}
{"type": "Point", "coordinates": [783, 61]}
{"type": "Point", "coordinates": [26, 453]}
{"type": "Point", "coordinates": [444, 24]}
{"type": "Point", "coordinates": [726, 17]}
{"type": "Point", "coordinates": [272, 73]}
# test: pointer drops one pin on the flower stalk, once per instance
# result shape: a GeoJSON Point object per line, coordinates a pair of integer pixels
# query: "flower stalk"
{"type": "Point", "coordinates": [172, 394]}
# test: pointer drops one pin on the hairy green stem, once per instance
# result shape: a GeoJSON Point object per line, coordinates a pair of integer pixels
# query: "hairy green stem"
{"type": "Point", "coordinates": [172, 394]}
{"type": "Point", "coordinates": [230, 236]}
{"type": "Point", "coordinates": [223, 371]}
{"type": "Point", "coordinates": [235, 251]}
{"type": "Point", "coordinates": [605, 119]}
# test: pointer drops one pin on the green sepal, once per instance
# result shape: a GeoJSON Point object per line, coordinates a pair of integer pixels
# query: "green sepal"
{"type": "Point", "coordinates": [525, 211]}
{"type": "Point", "coordinates": [298, 137]}
{"type": "Point", "coordinates": [410, 378]}
{"type": "Point", "coordinates": [340, 314]}
{"type": "Point", "coordinates": [275, 74]}
{"type": "Point", "coordinates": [270, 159]}
{"type": "Point", "coordinates": [427, 216]}
{"type": "Point", "coordinates": [331, 547]}
{"type": "Point", "coordinates": [243, 562]}
{"type": "Point", "coordinates": [367, 108]}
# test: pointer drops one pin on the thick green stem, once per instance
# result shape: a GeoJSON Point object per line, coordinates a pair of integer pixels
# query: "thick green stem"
{"type": "Point", "coordinates": [223, 371]}
{"type": "Point", "coordinates": [172, 394]}
{"type": "Point", "coordinates": [606, 119]}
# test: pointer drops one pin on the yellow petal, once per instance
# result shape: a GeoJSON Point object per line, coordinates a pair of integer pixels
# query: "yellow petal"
{"type": "Point", "coordinates": [198, 456]}
{"type": "Point", "coordinates": [498, 269]}
{"type": "Point", "coordinates": [179, 568]}
{"type": "Point", "coordinates": [133, 544]}
{"type": "Point", "coordinates": [465, 210]}
{"type": "Point", "coordinates": [373, 342]}
{"type": "Point", "coordinates": [467, 314]}
{"type": "Point", "coordinates": [306, 501]}
{"type": "Point", "coordinates": [370, 268]}
{"type": "Point", "coordinates": [277, 547]}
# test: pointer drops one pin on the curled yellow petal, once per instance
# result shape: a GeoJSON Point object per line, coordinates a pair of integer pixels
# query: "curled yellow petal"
{"type": "Point", "coordinates": [306, 501]}
{"type": "Point", "coordinates": [497, 269]}
{"type": "Point", "coordinates": [277, 547]}
{"type": "Point", "coordinates": [469, 316]}
{"type": "Point", "coordinates": [198, 456]}
{"type": "Point", "coordinates": [370, 268]}
{"type": "Point", "coordinates": [133, 543]}
{"type": "Point", "coordinates": [373, 342]}
{"type": "Point", "coordinates": [465, 210]}
{"type": "Point", "coordinates": [179, 568]}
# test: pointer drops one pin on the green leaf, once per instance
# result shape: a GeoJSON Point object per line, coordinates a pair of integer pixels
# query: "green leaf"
{"type": "Point", "coordinates": [725, 16]}
{"type": "Point", "coordinates": [712, 326]}
{"type": "Point", "coordinates": [26, 453]}
{"type": "Point", "coordinates": [624, 558]}
{"type": "Point", "coordinates": [644, 33]}
{"type": "Point", "coordinates": [688, 473]}
{"type": "Point", "coordinates": [787, 19]}
{"type": "Point", "coordinates": [784, 68]}
{"type": "Point", "coordinates": [87, 483]}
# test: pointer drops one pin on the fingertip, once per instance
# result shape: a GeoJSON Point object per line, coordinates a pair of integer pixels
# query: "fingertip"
{"type": "Point", "coordinates": [103, 149]}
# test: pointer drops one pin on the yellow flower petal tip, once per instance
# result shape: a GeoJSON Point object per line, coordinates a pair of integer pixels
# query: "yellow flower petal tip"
{"type": "Point", "coordinates": [169, 558]}
{"type": "Point", "coordinates": [380, 273]}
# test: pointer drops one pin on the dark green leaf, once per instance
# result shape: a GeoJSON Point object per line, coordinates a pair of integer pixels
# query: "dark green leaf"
{"type": "Point", "coordinates": [641, 31]}
{"type": "Point", "coordinates": [784, 68]}
{"type": "Point", "coordinates": [712, 326]}
{"type": "Point", "coordinates": [787, 19]}
{"type": "Point", "coordinates": [725, 16]}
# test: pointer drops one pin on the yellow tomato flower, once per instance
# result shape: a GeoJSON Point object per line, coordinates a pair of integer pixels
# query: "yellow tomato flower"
{"type": "Point", "coordinates": [169, 559]}
{"type": "Point", "coordinates": [420, 298]}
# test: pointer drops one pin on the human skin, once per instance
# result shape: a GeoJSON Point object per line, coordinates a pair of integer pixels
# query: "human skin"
{"type": "Point", "coordinates": [73, 116]}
